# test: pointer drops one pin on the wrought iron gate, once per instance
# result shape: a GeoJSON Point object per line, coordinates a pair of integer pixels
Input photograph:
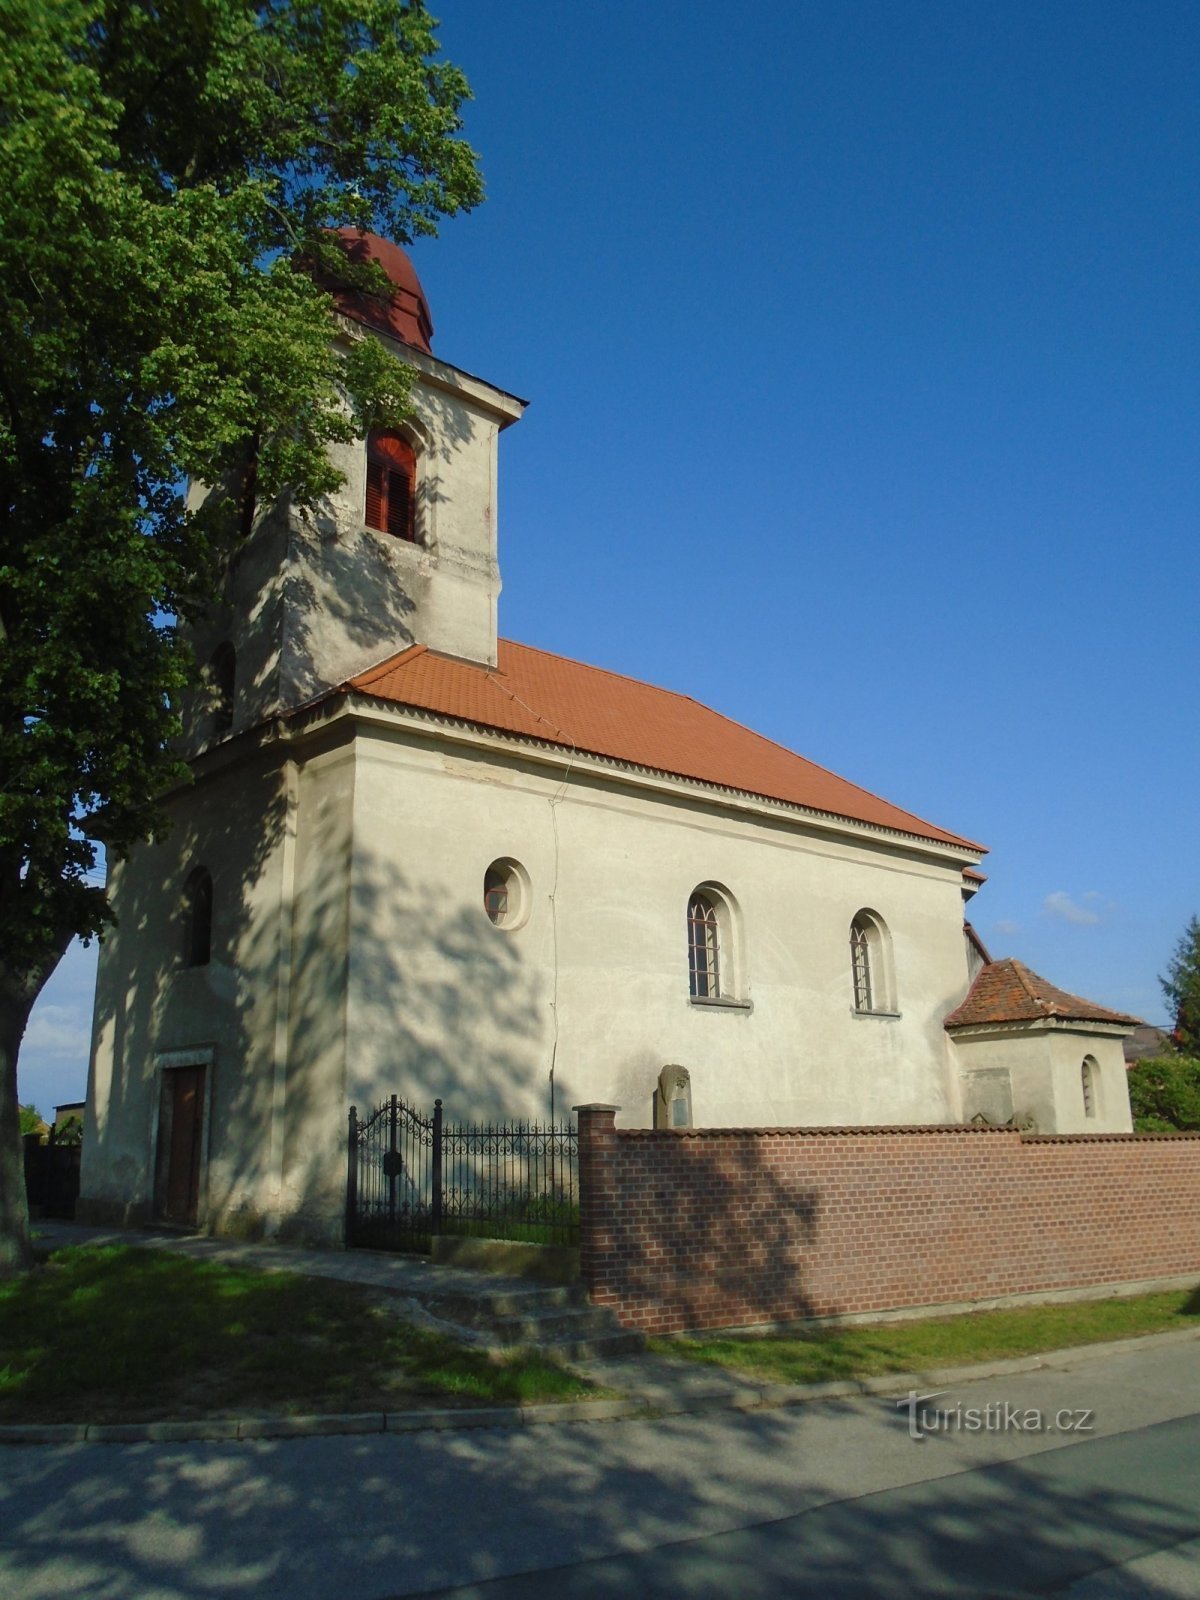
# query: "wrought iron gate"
{"type": "Point", "coordinates": [409, 1178]}
{"type": "Point", "coordinates": [393, 1177]}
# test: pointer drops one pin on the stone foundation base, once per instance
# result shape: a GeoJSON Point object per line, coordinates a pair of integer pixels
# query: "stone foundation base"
{"type": "Point", "coordinates": [95, 1212]}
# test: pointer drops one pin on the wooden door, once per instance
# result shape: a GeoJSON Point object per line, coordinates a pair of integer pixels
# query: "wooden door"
{"type": "Point", "coordinates": [182, 1130]}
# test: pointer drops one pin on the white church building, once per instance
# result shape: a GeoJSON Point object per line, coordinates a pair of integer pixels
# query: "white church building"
{"type": "Point", "coordinates": [416, 857]}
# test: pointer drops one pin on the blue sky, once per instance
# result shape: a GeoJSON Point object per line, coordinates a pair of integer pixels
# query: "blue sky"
{"type": "Point", "coordinates": [864, 361]}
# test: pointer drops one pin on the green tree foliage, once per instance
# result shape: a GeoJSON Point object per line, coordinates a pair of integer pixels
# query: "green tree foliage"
{"type": "Point", "coordinates": [31, 1120]}
{"type": "Point", "coordinates": [1181, 986]}
{"type": "Point", "coordinates": [1164, 1094]}
{"type": "Point", "coordinates": [167, 169]}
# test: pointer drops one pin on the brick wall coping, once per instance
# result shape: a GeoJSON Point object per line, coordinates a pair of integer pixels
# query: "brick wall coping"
{"type": "Point", "coordinates": [1105, 1138]}
{"type": "Point", "coordinates": [838, 1132]}
{"type": "Point", "coordinates": [905, 1128]}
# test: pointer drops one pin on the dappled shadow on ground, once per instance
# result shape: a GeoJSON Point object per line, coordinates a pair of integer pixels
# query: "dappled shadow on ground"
{"type": "Point", "coordinates": [393, 1516]}
{"type": "Point", "coordinates": [196, 1338]}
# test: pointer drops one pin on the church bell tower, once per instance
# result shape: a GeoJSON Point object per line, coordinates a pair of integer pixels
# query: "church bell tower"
{"type": "Point", "coordinates": [405, 552]}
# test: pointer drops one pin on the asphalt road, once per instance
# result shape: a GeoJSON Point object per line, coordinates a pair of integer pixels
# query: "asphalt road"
{"type": "Point", "coordinates": [829, 1500]}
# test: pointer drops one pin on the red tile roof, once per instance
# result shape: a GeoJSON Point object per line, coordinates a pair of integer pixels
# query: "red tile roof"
{"type": "Point", "coordinates": [541, 696]}
{"type": "Point", "coordinates": [1007, 991]}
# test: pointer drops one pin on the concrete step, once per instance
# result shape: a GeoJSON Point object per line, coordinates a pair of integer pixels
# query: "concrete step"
{"type": "Point", "coordinates": [558, 1319]}
{"type": "Point", "coordinates": [480, 1306]}
{"type": "Point", "coordinates": [581, 1322]}
{"type": "Point", "coordinates": [622, 1342]}
{"type": "Point", "coordinates": [554, 1322]}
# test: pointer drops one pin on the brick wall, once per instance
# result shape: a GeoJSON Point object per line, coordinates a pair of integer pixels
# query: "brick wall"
{"type": "Point", "coordinates": [727, 1227]}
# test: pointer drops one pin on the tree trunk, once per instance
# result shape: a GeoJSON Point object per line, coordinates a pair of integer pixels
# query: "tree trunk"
{"type": "Point", "coordinates": [17, 995]}
{"type": "Point", "coordinates": [15, 1252]}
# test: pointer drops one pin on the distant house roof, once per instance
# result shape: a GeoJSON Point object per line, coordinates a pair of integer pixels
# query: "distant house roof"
{"type": "Point", "coordinates": [550, 698]}
{"type": "Point", "coordinates": [1007, 991]}
{"type": "Point", "coordinates": [1146, 1040]}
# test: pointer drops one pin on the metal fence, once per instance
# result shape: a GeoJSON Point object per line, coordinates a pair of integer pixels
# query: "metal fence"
{"type": "Point", "coordinates": [51, 1175]}
{"type": "Point", "coordinates": [410, 1177]}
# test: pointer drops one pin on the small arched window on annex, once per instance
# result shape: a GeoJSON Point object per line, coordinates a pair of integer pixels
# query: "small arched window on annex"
{"type": "Point", "coordinates": [391, 499]}
{"type": "Point", "coordinates": [714, 957]}
{"type": "Point", "coordinates": [197, 918]}
{"type": "Point", "coordinates": [871, 972]}
{"type": "Point", "coordinates": [1089, 1075]}
{"type": "Point", "coordinates": [222, 671]}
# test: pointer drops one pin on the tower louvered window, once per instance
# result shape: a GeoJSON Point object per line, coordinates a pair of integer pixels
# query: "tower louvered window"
{"type": "Point", "coordinates": [391, 485]}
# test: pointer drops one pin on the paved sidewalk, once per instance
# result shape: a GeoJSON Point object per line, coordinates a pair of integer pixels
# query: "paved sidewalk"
{"type": "Point", "coordinates": [648, 1384]}
{"type": "Point", "coordinates": [404, 1275]}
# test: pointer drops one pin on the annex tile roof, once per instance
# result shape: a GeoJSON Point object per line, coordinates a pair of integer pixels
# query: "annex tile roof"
{"type": "Point", "coordinates": [536, 695]}
{"type": "Point", "coordinates": [1007, 991]}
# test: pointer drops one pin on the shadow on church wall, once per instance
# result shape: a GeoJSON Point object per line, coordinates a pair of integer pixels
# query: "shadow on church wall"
{"type": "Point", "coordinates": [391, 990]}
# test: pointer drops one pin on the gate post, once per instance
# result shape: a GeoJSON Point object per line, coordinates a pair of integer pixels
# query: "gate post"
{"type": "Point", "coordinates": [436, 1175]}
{"type": "Point", "coordinates": [600, 1254]}
{"type": "Point", "coordinates": [351, 1177]}
{"type": "Point", "coordinates": [390, 1166]}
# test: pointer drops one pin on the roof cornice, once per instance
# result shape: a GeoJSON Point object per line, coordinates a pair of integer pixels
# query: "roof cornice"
{"type": "Point", "coordinates": [365, 710]}
{"type": "Point", "coordinates": [988, 1030]}
{"type": "Point", "coordinates": [439, 374]}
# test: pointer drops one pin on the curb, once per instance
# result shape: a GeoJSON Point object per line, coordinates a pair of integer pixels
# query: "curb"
{"type": "Point", "coordinates": [743, 1397]}
{"type": "Point", "coordinates": [348, 1422]}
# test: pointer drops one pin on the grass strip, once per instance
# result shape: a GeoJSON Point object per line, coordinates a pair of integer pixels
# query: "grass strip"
{"type": "Point", "coordinates": [114, 1334]}
{"type": "Point", "coordinates": [868, 1350]}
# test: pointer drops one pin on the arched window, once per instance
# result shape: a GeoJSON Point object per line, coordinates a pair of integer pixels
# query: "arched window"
{"type": "Point", "coordinates": [1089, 1075]}
{"type": "Point", "coordinates": [495, 894]}
{"type": "Point", "coordinates": [198, 913]}
{"type": "Point", "coordinates": [223, 671]}
{"type": "Point", "coordinates": [392, 486]}
{"type": "Point", "coordinates": [870, 965]}
{"type": "Point", "coordinates": [860, 965]}
{"type": "Point", "coordinates": [704, 948]}
{"type": "Point", "coordinates": [506, 896]}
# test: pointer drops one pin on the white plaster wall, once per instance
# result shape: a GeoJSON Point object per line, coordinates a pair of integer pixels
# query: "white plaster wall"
{"type": "Point", "coordinates": [150, 1004]}
{"type": "Point", "coordinates": [250, 615]}
{"type": "Point", "coordinates": [314, 597]}
{"type": "Point", "coordinates": [597, 980]}
{"type": "Point", "coordinates": [1112, 1113]}
{"type": "Point", "coordinates": [444, 589]}
{"type": "Point", "coordinates": [1044, 1065]}
{"type": "Point", "coordinates": [1025, 1059]}
{"type": "Point", "coordinates": [313, 1091]}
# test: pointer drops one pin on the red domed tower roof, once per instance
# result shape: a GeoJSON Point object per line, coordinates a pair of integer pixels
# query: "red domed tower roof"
{"type": "Point", "coordinates": [405, 314]}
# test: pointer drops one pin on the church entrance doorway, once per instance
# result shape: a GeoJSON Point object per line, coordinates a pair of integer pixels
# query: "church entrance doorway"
{"type": "Point", "coordinates": [180, 1145]}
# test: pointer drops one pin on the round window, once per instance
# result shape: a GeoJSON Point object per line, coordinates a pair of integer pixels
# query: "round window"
{"type": "Point", "coordinates": [505, 894]}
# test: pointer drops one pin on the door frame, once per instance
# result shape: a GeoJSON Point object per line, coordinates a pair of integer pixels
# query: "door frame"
{"type": "Point", "coordinates": [166, 1061]}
